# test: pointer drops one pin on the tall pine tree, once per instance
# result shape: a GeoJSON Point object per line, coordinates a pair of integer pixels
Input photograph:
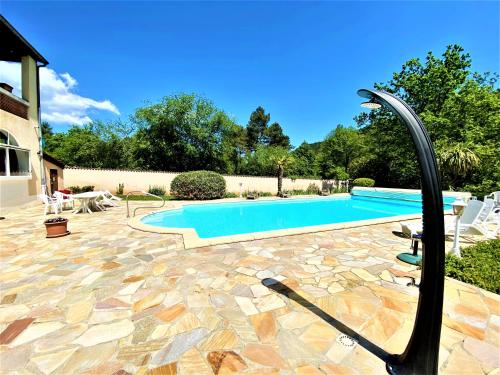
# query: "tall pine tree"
{"type": "Point", "coordinates": [256, 128]}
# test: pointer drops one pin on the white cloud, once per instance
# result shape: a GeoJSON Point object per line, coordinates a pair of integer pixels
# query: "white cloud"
{"type": "Point", "coordinates": [60, 104]}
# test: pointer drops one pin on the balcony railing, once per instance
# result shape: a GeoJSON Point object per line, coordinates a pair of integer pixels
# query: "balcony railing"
{"type": "Point", "coordinates": [12, 104]}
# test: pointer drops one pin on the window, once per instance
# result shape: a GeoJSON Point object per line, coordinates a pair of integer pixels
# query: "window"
{"type": "Point", "coordinates": [14, 160]}
{"type": "Point", "coordinates": [7, 138]}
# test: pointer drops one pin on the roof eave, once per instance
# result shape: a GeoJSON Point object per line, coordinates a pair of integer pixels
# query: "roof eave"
{"type": "Point", "coordinates": [34, 53]}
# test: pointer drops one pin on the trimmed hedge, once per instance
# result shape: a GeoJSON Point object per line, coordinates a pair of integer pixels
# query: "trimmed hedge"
{"type": "Point", "coordinates": [479, 265]}
{"type": "Point", "coordinates": [200, 185]}
{"type": "Point", "coordinates": [365, 182]}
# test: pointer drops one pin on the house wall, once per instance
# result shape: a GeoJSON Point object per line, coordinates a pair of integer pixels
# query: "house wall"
{"type": "Point", "coordinates": [105, 179]}
{"type": "Point", "coordinates": [19, 190]}
{"type": "Point", "coordinates": [29, 85]}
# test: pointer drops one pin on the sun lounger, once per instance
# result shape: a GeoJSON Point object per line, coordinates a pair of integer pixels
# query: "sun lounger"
{"type": "Point", "coordinates": [474, 221]}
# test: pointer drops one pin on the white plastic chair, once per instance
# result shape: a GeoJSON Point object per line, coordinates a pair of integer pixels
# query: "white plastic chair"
{"type": "Point", "coordinates": [64, 200]}
{"type": "Point", "coordinates": [49, 203]}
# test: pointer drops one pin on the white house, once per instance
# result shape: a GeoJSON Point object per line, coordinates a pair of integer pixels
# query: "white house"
{"type": "Point", "coordinates": [21, 159]}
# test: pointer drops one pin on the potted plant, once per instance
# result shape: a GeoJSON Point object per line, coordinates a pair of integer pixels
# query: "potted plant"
{"type": "Point", "coordinates": [56, 227]}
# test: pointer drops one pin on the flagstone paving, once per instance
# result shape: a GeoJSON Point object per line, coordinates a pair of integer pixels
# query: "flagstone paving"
{"type": "Point", "coordinates": [109, 299]}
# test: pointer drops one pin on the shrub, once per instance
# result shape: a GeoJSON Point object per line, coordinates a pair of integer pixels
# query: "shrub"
{"type": "Point", "coordinates": [258, 193]}
{"type": "Point", "coordinates": [339, 190]}
{"type": "Point", "coordinates": [83, 189]}
{"type": "Point", "coordinates": [157, 190]}
{"type": "Point", "coordinates": [479, 265]}
{"type": "Point", "coordinates": [366, 182]}
{"type": "Point", "coordinates": [198, 185]}
{"type": "Point", "coordinates": [482, 189]}
{"type": "Point", "coordinates": [312, 189]}
{"type": "Point", "coordinates": [339, 173]}
{"type": "Point", "coordinates": [119, 189]}
{"type": "Point", "coordinates": [231, 195]}
{"type": "Point", "coordinates": [304, 192]}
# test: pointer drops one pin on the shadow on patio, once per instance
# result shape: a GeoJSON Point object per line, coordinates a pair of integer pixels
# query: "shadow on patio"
{"type": "Point", "coordinates": [290, 293]}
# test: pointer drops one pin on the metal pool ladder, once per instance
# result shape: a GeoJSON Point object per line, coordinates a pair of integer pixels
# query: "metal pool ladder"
{"type": "Point", "coordinates": [137, 208]}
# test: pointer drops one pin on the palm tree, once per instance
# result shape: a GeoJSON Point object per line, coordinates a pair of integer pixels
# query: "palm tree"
{"type": "Point", "coordinates": [457, 161]}
{"type": "Point", "coordinates": [281, 158]}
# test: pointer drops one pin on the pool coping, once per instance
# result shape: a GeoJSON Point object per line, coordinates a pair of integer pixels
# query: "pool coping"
{"type": "Point", "coordinates": [192, 240]}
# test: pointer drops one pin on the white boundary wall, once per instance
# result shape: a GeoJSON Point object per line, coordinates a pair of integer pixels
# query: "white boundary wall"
{"type": "Point", "coordinates": [108, 179]}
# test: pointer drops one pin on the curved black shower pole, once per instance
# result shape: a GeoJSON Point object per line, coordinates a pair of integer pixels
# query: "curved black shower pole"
{"type": "Point", "coordinates": [421, 353]}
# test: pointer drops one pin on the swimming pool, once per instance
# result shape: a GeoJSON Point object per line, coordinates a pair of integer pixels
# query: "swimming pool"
{"type": "Point", "coordinates": [211, 220]}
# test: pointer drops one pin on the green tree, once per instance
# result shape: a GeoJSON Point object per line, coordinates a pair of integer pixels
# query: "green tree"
{"type": "Point", "coordinates": [47, 130]}
{"type": "Point", "coordinates": [234, 148]}
{"type": "Point", "coordinates": [257, 163]}
{"type": "Point", "coordinates": [79, 146]}
{"type": "Point", "coordinates": [256, 128]}
{"type": "Point", "coordinates": [456, 162]}
{"type": "Point", "coordinates": [305, 161]}
{"type": "Point", "coordinates": [341, 151]}
{"type": "Point", "coordinates": [182, 132]}
{"type": "Point", "coordinates": [426, 86]}
{"type": "Point", "coordinates": [457, 107]}
{"type": "Point", "coordinates": [276, 137]}
{"type": "Point", "coordinates": [470, 119]}
{"type": "Point", "coordinates": [390, 154]}
{"type": "Point", "coordinates": [280, 158]}
{"type": "Point", "coordinates": [94, 145]}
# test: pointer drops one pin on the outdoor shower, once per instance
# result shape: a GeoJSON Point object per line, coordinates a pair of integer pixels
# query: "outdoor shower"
{"type": "Point", "coordinates": [422, 351]}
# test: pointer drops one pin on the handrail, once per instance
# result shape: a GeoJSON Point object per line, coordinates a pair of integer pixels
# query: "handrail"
{"type": "Point", "coordinates": [143, 192]}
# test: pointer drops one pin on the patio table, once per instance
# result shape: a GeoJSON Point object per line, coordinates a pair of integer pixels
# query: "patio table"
{"type": "Point", "coordinates": [87, 201]}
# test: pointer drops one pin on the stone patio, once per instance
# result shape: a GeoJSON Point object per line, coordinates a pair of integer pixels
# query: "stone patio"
{"type": "Point", "coordinates": [109, 299]}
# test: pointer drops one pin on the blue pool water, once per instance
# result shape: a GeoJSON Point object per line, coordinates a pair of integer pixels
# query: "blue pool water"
{"type": "Point", "coordinates": [225, 219]}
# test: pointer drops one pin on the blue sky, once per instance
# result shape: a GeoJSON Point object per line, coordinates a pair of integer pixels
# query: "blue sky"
{"type": "Point", "coordinates": [303, 62]}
